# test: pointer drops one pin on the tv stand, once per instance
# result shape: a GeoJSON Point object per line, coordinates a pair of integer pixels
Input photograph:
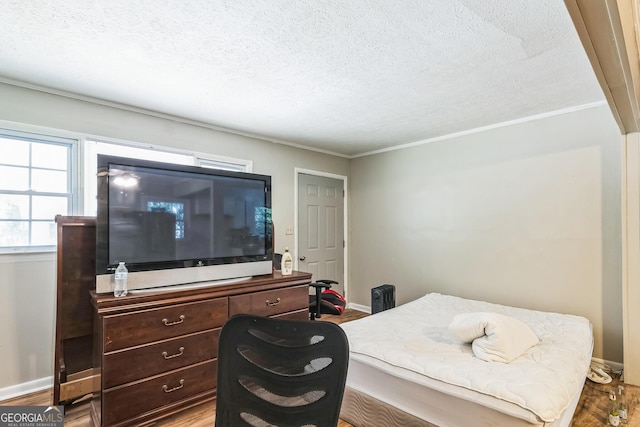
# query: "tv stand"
{"type": "Point", "coordinates": [155, 353]}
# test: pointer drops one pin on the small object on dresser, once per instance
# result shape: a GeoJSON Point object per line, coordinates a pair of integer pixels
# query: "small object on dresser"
{"type": "Point", "coordinates": [287, 263]}
{"type": "Point", "coordinates": [121, 276]}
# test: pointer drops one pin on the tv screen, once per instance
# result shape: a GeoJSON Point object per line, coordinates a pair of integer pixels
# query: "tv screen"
{"type": "Point", "coordinates": [158, 216]}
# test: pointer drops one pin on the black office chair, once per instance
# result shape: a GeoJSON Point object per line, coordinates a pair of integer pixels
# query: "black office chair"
{"type": "Point", "coordinates": [323, 302]}
{"type": "Point", "coordinates": [285, 373]}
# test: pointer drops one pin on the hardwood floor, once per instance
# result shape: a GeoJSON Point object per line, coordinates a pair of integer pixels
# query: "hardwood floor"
{"type": "Point", "coordinates": [593, 407]}
{"type": "Point", "coordinates": [77, 414]}
{"type": "Point", "coordinates": [591, 410]}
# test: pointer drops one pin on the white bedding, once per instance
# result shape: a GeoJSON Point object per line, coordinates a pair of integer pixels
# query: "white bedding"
{"type": "Point", "coordinates": [415, 337]}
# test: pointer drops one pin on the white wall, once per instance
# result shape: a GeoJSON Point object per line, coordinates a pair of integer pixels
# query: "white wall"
{"type": "Point", "coordinates": [525, 215]}
{"type": "Point", "coordinates": [27, 285]}
{"type": "Point", "coordinates": [27, 307]}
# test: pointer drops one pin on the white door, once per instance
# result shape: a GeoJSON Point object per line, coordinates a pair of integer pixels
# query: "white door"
{"type": "Point", "coordinates": [321, 228]}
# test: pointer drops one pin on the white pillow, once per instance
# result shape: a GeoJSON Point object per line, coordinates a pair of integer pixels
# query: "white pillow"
{"type": "Point", "coordinates": [494, 337]}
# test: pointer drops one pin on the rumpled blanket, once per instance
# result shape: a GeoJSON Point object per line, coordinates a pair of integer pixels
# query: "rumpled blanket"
{"type": "Point", "coordinates": [494, 337]}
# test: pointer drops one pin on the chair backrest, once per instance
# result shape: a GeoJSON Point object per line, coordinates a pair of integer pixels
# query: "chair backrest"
{"type": "Point", "coordinates": [285, 373]}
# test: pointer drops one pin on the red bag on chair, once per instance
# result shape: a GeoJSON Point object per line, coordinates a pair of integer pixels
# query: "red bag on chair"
{"type": "Point", "coordinates": [331, 302]}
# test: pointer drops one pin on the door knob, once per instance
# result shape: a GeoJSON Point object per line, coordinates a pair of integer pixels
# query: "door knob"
{"type": "Point", "coordinates": [302, 258]}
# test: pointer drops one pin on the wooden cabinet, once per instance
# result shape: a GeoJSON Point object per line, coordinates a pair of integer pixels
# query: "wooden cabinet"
{"type": "Point", "coordinates": [155, 353]}
{"type": "Point", "coordinates": [75, 278]}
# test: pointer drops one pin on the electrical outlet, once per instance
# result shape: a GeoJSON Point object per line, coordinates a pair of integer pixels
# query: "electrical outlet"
{"type": "Point", "coordinates": [289, 230]}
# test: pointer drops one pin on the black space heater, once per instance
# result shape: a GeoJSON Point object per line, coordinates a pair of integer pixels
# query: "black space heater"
{"type": "Point", "coordinates": [383, 297]}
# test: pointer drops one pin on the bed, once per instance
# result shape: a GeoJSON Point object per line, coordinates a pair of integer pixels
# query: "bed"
{"type": "Point", "coordinates": [406, 368]}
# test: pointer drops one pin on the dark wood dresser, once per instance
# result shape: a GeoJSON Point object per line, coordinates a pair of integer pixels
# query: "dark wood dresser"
{"type": "Point", "coordinates": [75, 278]}
{"type": "Point", "coordinates": [155, 353]}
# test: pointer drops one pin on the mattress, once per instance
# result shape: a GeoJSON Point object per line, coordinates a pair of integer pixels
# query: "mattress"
{"type": "Point", "coordinates": [406, 358]}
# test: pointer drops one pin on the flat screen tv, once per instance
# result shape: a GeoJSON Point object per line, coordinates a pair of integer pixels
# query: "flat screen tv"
{"type": "Point", "coordinates": [180, 225]}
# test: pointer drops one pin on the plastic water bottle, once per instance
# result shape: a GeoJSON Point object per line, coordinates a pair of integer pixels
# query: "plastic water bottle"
{"type": "Point", "coordinates": [122, 275]}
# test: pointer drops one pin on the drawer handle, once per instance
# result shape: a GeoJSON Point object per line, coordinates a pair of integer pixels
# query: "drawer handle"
{"type": "Point", "coordinates": [177, 322]}
{"type": "Point", "coordinates": [167, 357]}
{"type": "Point", "coordinates": [272, 303]}
{"type": "Point", "coordinates": [169, 390]}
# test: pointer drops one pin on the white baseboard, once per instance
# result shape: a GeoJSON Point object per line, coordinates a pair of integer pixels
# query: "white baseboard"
{"type": "Point", "coordinates": [359, 307]}
{"type": "Point", "coordinates": [615, 366]}
{"type": "Point", "coordinates": [25, 388]}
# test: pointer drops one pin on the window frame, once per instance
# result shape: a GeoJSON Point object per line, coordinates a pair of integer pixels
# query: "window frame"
{"type": "Point", "coordinates": [224, 163]}
{"type": "Point", "coordinates": [72, 194]}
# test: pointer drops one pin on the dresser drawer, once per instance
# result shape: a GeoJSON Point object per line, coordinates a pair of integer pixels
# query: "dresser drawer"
{"type": "Point", "coordinates": [121, 403]}
{"type": "Point", "coordinates": [270, 303]}
{"type": "Point", "coordinates": [145, 326]}
{"type": "Point", "coordinates": [123, 366]}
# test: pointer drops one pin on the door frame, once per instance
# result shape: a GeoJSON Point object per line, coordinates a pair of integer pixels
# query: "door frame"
{"type": "Point", "coordinates": [631, 256]}
{"type": "Point", "coordinates": [343, 178]}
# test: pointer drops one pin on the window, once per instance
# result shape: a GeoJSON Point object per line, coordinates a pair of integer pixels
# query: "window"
{"type": "Point", "coordinates": [152, 153]}
{"type": "Point", "coordinates": [225, 164]}
{"type": "Point", "coordinates": [36, 184]}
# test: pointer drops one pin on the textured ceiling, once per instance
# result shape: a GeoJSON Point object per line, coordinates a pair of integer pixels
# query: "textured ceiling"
{"type": "Point", "coordinates": [346, 77]}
